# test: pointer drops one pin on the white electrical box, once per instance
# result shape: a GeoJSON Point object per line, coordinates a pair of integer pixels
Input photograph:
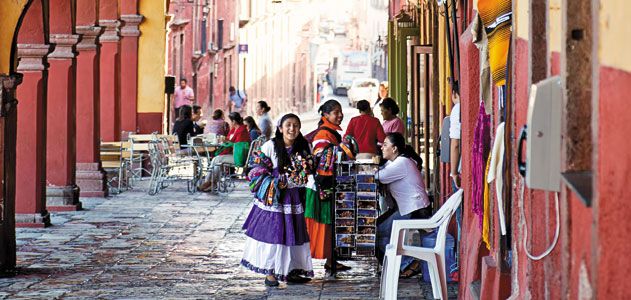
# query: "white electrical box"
{"type": "Point", "coordinates": [543, 146]}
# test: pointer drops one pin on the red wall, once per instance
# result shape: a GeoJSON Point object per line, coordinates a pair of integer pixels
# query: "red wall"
{"type": "Point", "coordinates": [592, 250]}
{"type": "Point", "coordinates": [225, 10]}
{"type": "Point", "coordinates": [614, 170]}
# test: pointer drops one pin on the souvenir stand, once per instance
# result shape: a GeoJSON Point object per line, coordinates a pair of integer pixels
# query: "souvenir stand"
{"type": "Point", "coordinates": [355, 211]}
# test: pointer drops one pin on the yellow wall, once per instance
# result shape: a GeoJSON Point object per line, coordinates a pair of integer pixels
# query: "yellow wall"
{"type": "Point", "coordinates": [614, 43]}
{"type": "Point", "coordinates": [151, 56]}
{"type": "Point", "coordinates": [10, 11]}
{"type": "Point", "coordinates": [521, 17]}
{"type": "Point", "coordinates": [555, 25]}
{"type": "Point", "coordinates": [444, 71]}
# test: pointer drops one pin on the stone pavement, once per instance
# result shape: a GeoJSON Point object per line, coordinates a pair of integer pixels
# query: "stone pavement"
{"type": "Point", "coordinates": [170, 246]}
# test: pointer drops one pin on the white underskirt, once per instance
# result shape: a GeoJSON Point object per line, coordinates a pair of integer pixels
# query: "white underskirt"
{"type": "Point", "coordinates": [276, 259]}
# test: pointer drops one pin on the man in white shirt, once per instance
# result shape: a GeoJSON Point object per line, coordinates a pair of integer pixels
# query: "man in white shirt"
{"type": "Point", "coordinates": [454, 135]}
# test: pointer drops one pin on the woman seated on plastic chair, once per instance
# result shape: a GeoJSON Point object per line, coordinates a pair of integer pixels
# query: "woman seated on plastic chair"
{"type": "Point", "coordinates": [402, 175]}
{"type": "Point", "coordinates": [238, 133]}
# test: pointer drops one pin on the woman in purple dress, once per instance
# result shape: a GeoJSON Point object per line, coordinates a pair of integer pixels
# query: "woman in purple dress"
{"type": "Point", "coordinates": [277, 243]}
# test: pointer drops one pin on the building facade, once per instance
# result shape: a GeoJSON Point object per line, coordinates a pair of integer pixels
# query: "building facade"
{"type": "Point", "coordinates": [277, 65]}
{"type": "Point", "coordinates": [202, 48]}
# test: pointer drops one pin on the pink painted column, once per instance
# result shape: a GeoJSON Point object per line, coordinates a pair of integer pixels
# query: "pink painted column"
{"type": "Point", "coordinates": [129, 72]}
{"type": "Point", "coordinates": [90, 175]}
{"type": "Point", "coordinates": [30, 174]}
{"type": "Point", "coordinates": [110, 81]}
{"type": "Point", "coordinates": [62, 194]}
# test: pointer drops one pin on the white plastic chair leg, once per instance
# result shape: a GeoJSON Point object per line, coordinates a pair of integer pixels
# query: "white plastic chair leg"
{"type": "Point", "coordinates": [442, 271]}
{"type": "Point", "coordinates": [392, 269]}
{"type": "Point", "coordinates": [434, 278]}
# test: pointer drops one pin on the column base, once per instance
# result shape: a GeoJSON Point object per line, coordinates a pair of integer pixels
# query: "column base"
{"type": "Point", "coordinates": [91, 180]}
{"type": "Point", "coordinates": [40, 220]}
{"type": "Point", "coordinates": [62, 198]}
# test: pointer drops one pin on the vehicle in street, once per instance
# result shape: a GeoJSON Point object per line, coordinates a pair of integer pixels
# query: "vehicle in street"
{"type": "Point", "coordinates": [363, 89]}
{"type": "Point", "coordinates": [346, 67]}
{"type": "Point", "coordinates": [339, 29]}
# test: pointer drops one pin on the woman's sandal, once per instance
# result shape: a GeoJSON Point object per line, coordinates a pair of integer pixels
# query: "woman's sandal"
{"type": "Point", "coordinates": [297, 279]}
{"type": "Point", "coordinates": [340, 267]}
{"type": "Point", "coordinates": [411, 271]}
{"type": "Point", "coordinates": [271, 283]}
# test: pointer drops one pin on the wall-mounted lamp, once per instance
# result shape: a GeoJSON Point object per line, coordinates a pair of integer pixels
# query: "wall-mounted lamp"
{"type": "Point", "coordinates": [403, 21]}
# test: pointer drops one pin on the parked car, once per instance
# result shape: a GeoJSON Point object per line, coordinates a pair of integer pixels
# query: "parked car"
{"type": "Point", "coordinates": [339, 29]}
{"type": "Point", "coordinates": [363, 89]}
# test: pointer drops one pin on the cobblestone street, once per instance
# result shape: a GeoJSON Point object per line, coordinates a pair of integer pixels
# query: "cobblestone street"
{"type": "Point", "coordinates": [172, 245]}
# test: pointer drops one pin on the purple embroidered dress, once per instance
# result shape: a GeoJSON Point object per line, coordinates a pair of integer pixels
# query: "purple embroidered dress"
{"type": "Point", "coordinates": [277, 240]}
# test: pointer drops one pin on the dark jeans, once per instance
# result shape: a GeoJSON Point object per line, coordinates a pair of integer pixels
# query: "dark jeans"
{"type": "Point", "coordinates": [384, 230]}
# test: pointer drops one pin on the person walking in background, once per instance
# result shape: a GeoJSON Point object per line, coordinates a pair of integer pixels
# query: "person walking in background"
{"type": "Point", "coordinates": [253, 130]}
{"type": "Point", "coordinates": [218, 124]}
{"type": "Point", "coordinates": [265, 122]}
{"type": "Point", "coordinates": [389, 111]}
{"type": "Point", "coordinates": [277, 243]}
{"type": "Point", "coordinates": [183, 95]}
{"type": "Point", "coordinates": [184, 127]}
{"type": "Point", "coordinates": [238, 100]}
{"type": "Point", "coordinates": [366, 130]}
{"type": "Point", "coordinates": [454, 136]}
{"type": "Point", "coordinates": [382, 94]}
{"type": "Point", "coordinates": [198, 123]}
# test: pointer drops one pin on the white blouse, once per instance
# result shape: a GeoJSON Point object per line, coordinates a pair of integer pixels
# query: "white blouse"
{"type": "Point", "coordinates": [405, 183]}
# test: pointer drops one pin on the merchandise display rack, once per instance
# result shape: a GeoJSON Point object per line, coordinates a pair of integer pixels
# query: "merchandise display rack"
{"type": "Point", "coordinates": [355, 212]}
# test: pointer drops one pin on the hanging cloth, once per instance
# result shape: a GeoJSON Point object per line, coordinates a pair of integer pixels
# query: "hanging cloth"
{"type": "Point", "coordinates": [481, 41]}
{"type": "Point", "coordinates": [486, 219]}
{"type": "Point", "coordinates": [496, 16]}
{"type": "Point", "coordinates": [479, 153]}
{"type": "Point", "coordinates": [496, 166]}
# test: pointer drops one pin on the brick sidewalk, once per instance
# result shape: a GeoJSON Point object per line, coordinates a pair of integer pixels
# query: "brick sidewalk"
{"type": "Point", "coordinates": [172, 245]}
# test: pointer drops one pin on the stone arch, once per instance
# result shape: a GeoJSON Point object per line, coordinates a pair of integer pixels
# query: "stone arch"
{"type": "Point", "coordinates": [11, 16]}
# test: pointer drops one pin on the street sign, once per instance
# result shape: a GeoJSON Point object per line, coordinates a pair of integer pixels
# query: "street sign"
{"type": "Point", "coordinates": [243, 48]}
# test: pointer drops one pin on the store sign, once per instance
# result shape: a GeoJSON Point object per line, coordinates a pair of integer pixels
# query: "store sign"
{"type": "Point", "coordinates": [243, 48]}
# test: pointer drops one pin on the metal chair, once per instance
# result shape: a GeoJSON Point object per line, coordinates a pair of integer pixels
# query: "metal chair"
{"type": "Point", "coordinates": [114, 156]}
{"type": "Point", "coordinates": [139, 154]}
{"type": "Point", "coordinates": [203, 152]}
{"type": "Point", "coordinates": [169, 166]}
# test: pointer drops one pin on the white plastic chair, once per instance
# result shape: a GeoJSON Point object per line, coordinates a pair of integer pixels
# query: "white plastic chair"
{"type": "Point", "coordinates": [435, 257]}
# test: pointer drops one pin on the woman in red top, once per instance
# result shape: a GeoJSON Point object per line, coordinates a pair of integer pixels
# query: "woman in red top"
{"type": "Point", "coordinates": [366, 130]}
{"type": "Point", "coordinates": [238, 133]}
